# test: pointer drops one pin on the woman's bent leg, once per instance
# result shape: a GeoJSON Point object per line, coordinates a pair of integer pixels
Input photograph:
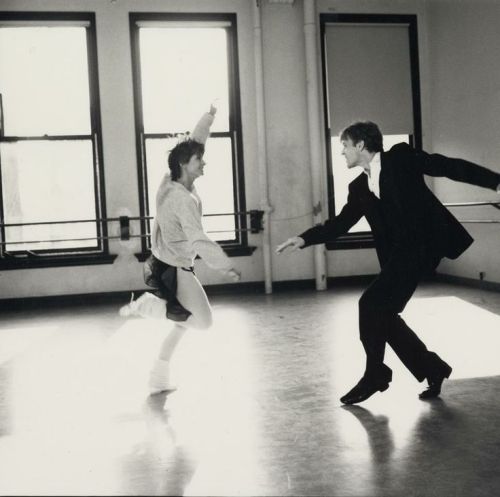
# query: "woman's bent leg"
{"type": "Point", "coordinates": [159, 377]}
{"type": "Point", "coordinates": [170, 343]}
{"type": "Point", "coordinates": [191, 296]}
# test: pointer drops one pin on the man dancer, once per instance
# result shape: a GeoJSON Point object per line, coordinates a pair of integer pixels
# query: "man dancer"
{"type": "Point", "coordinates": [412, 231]}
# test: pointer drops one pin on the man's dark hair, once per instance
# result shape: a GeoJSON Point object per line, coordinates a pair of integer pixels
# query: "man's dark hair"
{"type": "Point", "coordinates": [368, 132]}
{"type": "Point", "coordinates": [181, 154]}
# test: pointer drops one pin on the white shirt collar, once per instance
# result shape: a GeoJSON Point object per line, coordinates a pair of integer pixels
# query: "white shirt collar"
{"type": "Point", "coordinates": [374, 176]}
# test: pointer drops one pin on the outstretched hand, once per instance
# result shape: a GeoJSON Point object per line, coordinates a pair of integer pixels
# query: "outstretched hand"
{"type": "Point", "coordinates": [294, 243]}
{"type": "Point", "coordinates": [234, 275]}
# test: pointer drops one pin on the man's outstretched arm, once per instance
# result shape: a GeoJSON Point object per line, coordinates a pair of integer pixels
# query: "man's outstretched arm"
{"type": "Point", "coordinates": [457, 170]}
{"type": "Point", "coordinates": [328, 231]}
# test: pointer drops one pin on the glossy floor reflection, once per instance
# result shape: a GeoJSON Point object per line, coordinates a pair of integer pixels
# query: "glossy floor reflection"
{"type": "Point", "coordinates": [257, 409]}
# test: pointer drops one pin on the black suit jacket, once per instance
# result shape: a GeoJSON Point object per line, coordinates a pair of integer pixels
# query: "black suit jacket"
{"type": "Point", "coordinates": [408, 217]}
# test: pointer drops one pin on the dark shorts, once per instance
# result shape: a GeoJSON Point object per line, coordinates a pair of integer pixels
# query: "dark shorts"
{"type": "Point", "coordinates": [163, 278]}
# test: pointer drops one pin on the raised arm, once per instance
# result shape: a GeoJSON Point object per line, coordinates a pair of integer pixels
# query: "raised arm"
{"type": "Point", "coordinates": [201, 131]}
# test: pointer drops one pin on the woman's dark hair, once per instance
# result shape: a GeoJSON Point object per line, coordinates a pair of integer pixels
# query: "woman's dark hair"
{"type": "Point", "coordinates": [368, 132]}
{"type": "Point", "coordinates": [181, 154]}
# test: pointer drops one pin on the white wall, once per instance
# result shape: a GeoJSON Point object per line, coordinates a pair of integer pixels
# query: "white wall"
{"type": "Point", "coordinates": [465, 101]}
{"type": "Point", "coordinates": [462, 107]}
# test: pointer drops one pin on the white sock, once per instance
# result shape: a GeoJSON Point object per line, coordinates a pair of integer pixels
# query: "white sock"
{"type": "Point", "coordinates": [159, 377]}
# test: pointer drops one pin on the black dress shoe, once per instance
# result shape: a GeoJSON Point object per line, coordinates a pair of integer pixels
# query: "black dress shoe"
{"type": "Point", "coordinates": [363, 390]}
{"type": "Point", "coordinates": [435, 380]}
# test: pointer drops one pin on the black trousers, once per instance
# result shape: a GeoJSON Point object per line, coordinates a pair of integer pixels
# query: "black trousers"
{"type": "Point", "coordinates": [380, 322]}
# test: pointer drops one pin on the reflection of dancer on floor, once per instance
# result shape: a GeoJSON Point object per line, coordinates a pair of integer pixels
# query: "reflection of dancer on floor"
{"type": "Point", "coordinates": [177, 238]}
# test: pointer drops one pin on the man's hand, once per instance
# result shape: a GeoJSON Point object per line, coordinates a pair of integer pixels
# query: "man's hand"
{"type": "Point", "coordinates": [213, 108]}
{"type": "Point", "coordinates": [294, 243]}
{"type": "Point", "coordinates": [234, 275]}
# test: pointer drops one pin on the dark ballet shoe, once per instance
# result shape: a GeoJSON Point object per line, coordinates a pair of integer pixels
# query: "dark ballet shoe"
{"type": "Point", "coordinates": [364, 390]}
{"type": "Point", "coordinates": [435, 381]}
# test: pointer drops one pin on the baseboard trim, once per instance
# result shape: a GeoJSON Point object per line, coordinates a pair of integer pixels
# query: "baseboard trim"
{"type": "Point", "coordinates": [103, 298]}
{"type": "Point", "coordinates": [254, 287]}
{"type": "Point", "coordinates": [73, 300]}
{"type": "Point", "coordinates": [287, 285]}
{"type": "Point", "coordinates": [470, 282]}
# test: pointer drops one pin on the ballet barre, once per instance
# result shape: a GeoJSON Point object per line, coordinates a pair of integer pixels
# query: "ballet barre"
{"type": "Point", "coordinates": [472, 204]}
{"type": "Point", "coordinates": [496, 205]}
{"type": "Point", "coordinates": [256, 226]}
{"type": "Point", "coordinates": [255, 217]}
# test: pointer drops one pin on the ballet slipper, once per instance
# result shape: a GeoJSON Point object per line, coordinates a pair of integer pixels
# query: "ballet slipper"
{"type": "Point", "coordinates": [146, 306]}
{"type": "Point", "coordinates": [128, 309]}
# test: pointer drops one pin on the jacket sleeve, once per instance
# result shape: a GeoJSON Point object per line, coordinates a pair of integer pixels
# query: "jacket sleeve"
{"type": "Point", "coordinates": [333, 228]}
{"type": "Point", "coordinates": [207, 249]}
{"type": "Point", "coordinates": [201, 131]}
{"type": "Point", "coordinates": [456, 169]}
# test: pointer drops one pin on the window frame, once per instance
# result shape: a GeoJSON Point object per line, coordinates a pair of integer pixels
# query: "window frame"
{"type": "Point", "coordinates": [78, 255]}
{"type": "Point", "coordinates": [238, 246]}
{"type": "Point", "coordinates": [364, 239]}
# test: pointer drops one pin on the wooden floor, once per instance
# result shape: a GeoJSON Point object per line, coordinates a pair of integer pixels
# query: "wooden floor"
{"type": "Point", "coordinates": [256, 411]}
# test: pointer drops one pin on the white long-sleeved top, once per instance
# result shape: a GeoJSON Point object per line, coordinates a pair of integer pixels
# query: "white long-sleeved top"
{"type": "Point", "coordinates": [178, 234]}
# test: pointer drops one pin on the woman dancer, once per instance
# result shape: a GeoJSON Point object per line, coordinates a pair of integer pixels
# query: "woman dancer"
{"type": "Point", "coordinates": [177, 238]}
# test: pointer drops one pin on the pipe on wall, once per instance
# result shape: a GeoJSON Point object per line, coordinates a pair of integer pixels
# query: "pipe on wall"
{"type": "Point", "coordinates": [315, 146]}
{"type": "Point", "coordinates": [262, 146]}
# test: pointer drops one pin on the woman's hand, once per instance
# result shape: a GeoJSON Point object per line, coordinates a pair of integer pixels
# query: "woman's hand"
{"type": "Point", "coordinates": [234, 275]}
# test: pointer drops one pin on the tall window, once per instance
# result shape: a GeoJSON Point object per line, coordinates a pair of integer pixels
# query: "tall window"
{"type": "Point", "coordinates": [49, 140]}
{"type": "Point", "coordinates": [370, 72]}
{"type": "Point", "coordinates": [182, 64]}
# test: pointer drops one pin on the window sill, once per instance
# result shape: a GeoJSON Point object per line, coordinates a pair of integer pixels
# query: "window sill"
{"type": "Point", "coordinates": [352, 241]}
{"type": "Point", "coordinates": [33, 262]}
{"type": "Point", "coordinates": [231, 251]}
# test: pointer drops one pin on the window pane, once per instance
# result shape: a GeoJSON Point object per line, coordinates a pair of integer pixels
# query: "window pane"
{"type": "Point", "coordinates": [357, 86]}
{"type": "Point", "coordinates": [391, 140]}
{"type": "Point", "coordinates": [48, 181]}
{"type": "Point", "coordinates": [157, 150]}
{"type": "Point", "coordinates": [183, 70]}
{"type": "Point", "coordinates": [44, 81]}
{"type": "Point", "coordinates": [343, 176]}
{"type": "Point", "coordinates": [215, 187]}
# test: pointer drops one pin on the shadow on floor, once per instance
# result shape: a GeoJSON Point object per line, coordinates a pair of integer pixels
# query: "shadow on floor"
{"type": "Point", "coordinates": [452, 448]}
